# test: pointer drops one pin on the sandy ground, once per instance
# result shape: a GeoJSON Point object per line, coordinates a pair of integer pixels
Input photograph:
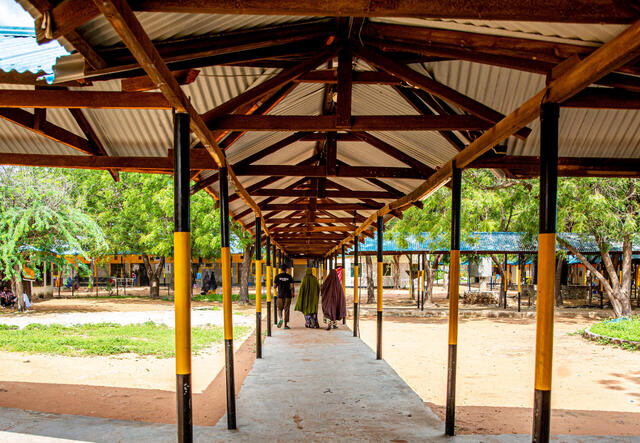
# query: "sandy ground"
{"type": "Point", "coordinates": [596, 388]}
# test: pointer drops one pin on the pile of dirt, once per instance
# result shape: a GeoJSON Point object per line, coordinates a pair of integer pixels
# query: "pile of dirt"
{"type": "Point", "coordinates": [479, 298]}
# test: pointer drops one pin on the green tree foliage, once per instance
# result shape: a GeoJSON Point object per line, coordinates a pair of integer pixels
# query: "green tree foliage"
{"type": "Point", "coordinates": [41, 215]}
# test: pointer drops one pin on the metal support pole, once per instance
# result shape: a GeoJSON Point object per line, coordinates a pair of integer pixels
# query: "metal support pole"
{"type": "Point", "coordinates": [380, 281]}
{"type": "Point", "coordinates": [424, 274]}
{"type": "Point", "coordinates": [182, 263]}
{"type": "Point", "coordinates": [269, 278]}
{"type": "Point", "coordinates": [454, 278]}
{"type": "Point", "coordinates": [275, 272]}
{"type": "Point", "coordinates": [549, 116]}
{"type": "Point", "coordinates": [419, 276]}
{"type": "Point", "coordinates": [258, 287]}
{"type": "Point", "coordinates": [344, 279]}
{"type": "Point", "coordinates": [226, 297]}
{"type": "Point", "coordinates": [356, 288]}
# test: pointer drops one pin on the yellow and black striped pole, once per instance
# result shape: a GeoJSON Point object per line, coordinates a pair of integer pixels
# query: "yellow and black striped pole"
{"type": "Point", "coordinates": [226, 297]}
{"type": "Point", "coordinates": [344, 278]}
{"type": "Point", "coordinates": [258, 287]}
{"type": "Point", "coordinates": [268, 250]}
{"type": "Point", "coordinates": [546, 270]}
{"type": "Point", "coordinates": [182, 279]}
{"type": "Point", "coordinates": [454, 279]}
{"type": "Point", "coordinates": [356, 282]}
{"type": "Point", "coordinates": [380, 281]}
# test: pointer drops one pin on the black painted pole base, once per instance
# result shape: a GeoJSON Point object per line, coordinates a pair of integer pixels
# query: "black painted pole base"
{"type": "Point", "coordinates": [541, 416]}
{"type": "Point", "coordinates": [231, 387]}
{"type": "Point", "coordinates": [268, 319]}
{"type": "Point", "coordinates": [450, 421]}
{"type": "Point", "coordinates": [275, 312]}
{"type": "Point", "coordinates": [258, 334]}
{"type": "Point", "coordinates": [379, 342]}
{"type": "Point", "coordinates": [183, 397]}
{"type": "Point", "coordinates": [355, 319]}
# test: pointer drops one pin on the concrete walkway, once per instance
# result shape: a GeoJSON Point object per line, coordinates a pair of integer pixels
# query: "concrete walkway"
{"type": "Point", "coordinates": [312, 385]}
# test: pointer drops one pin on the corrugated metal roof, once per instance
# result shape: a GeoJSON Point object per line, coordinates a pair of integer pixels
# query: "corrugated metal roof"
{"type": "Point", "coordinates": [20, 52]}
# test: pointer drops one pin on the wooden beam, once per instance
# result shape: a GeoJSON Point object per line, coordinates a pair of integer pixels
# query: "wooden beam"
{"type": "Point", "coordinates": [604, 98]}
{"type": "Point", "coordinates": [359, 123]}
{"type": "Point", "coordinates": [288, 220]}
{"type": "Point", "coordinates": [93, 138]}
{"type": "Point", "coordinates": [330, 76]}
{"type": "Point", "coordinates": [344, 89]}
{"type": "Point", "coordinates": [50, 98]}
{"type": "Point", "coordinates": [56, 133]}
{"type": "Point", "coordinates": [71, 14]}
{"type": "Point", "coordinates": [394, 152]}
{"type": "Point", "coordinates": [272, 84]}
{"type": "Point", "coordinates": [320, 171]}
{"type": "Point", "coordinates": [433, 87]}
{"type": "Point", "coordinates": [269, 192]}
{"type": "Point", "coordinates": [412, 98]}
{"type": "Point", "coordinates": [144, 83]}
{"type": "Point", "coordinates": [312, 229]}
{"type": "Point", "coordinates": [327, 206]}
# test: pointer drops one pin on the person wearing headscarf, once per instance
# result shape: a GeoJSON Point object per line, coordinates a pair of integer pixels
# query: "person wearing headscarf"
{"type": "Point", "coordinates": [307, 302]}
{"type": "Point", "coordinates": [206, 281]}
{"type": "Point", "coordinates": [334, 304]}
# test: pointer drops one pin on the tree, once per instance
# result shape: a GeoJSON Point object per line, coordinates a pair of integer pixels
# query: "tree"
{"type": "Point", "coordinates": [370, 284]}
{"type": "Point", "coordinates": [395, 271]}
{"type": "Point", "coordinates": [247, 243]}
{"type": "Point", "coordinates": [605, 211]}
{"type": "Point", "coordinates": [41, 218]}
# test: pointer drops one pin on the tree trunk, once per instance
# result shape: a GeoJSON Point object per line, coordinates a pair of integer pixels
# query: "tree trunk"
{"type": "Point", "coordinates": [430, 273]}
{"type": "Point", "coordinates": [395, 270]}
{"type": "Point", "coordinates": [370, 284]}
{"type": "Point", "coordinates": [411, 277]}
{"type": "Point", "coordinates": [503, 277]}
{"type": "Point", "coordinates": [558, 286]}
{"type": "Point", "coordinates": [618, 294]}
{"type": "Point", "coordinates": [153, 275]}
{"type": "Point", "coordinates": [245, 273]}
{"type": "Point", "coordinates": [16, 287]}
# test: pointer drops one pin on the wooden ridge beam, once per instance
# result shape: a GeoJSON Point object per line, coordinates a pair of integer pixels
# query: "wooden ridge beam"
{"type": "Point", "coordinates": [70, 14]}
{"type": "Point", "coordinates": [613, 54]}
{"type": "Point", "coordinates": [320, 171]}
{"type": "Point", "coordinates": [313, 229]}
{"type": "Point", "coordinates": [330, 76]}
{"type": "Point", "coordinates": [50, 98]}
{"type": "Point", "coordinates": [327, 123]}
{"type": "Point", "coordinates": [433, 87]}
{"type": "Point", "coordinates": [327, 206]}
{"type": "Point", "coordinates": [269, 192]}
{"type": "Point", "coordinates": [604, 98]}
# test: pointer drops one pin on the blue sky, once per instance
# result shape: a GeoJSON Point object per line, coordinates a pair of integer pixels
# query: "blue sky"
{"type": "Point", "coordinates": [12, 14]}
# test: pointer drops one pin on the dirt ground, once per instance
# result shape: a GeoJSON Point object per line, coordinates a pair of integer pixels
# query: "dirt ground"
{"type": "Point", "coordinates": [596, 388]}
{"type": "Point", "coordinates": [122, 387]}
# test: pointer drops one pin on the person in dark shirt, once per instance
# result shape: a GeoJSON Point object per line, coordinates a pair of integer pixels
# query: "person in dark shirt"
{"type": "Point", "coordinates": [284, 285]}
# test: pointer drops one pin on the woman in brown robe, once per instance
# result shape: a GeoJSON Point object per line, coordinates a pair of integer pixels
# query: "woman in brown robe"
{"type": "Point", "coordinates": [334, 305]}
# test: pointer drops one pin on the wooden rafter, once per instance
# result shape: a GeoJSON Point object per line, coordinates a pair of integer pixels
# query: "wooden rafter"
{"type": "Point", "coordinates": [62, 98]}
{"type": "Point", "coordinates": [321, 171]}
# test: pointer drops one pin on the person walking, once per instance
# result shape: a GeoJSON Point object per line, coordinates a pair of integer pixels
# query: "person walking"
{"type": "Point", "coordinates": [307, 302]}
{"type": "Point", "coordinates": [334, 304]}
{"type": "Point", "coordinates": [284, 284]}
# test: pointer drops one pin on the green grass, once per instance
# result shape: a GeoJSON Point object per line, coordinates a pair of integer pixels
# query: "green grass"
{"type": "Point", "coordinates": [624, 329]}
{"type": "Point", "coordinates": [218, 297]}
{"type": "Point", "coordinates": [106, 339]}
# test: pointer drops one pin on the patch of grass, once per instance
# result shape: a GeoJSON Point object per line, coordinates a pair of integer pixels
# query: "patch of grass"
{"type": "Point", "coordinates": [107, 339]}
{"type": "Point", "coordinates": [626, 329]}
{"type": "Point", "coordinates": [218, 297]}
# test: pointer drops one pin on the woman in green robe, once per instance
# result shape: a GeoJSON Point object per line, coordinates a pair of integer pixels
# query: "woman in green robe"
{"type": "Point", "coordinates": [307, 302]}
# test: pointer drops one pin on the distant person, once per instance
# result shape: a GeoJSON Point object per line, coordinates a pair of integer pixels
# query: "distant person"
{"type": "Point", "coordinates": [27, 302]}
{"type": "Point", "coordinates": [206, 282]}
{"type": "Point", "coordinates": [284, 284]}
{"type": "Point", "coordinates": [4, 298]}
{"type": "Point", "coordinates": [213, 285]}
{"type": "Point", "coordinates": [334, 304]}
{"type": "Point", "coordinates": [307, 302]}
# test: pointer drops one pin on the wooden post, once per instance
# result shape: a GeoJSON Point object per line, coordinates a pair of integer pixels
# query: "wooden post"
{"type": "Point", "coordinates": [258, 287]}
{"type": "Point", "coordinates": [380, 281]}
{"type": "Point", "coordinates": [182, 263]}
{"type": "Point", "coordinates": [549, 117]}
{"type": "Point", "coordinates": [454, 278]}
{"type": "Point", "coordinates": [226, 297]}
